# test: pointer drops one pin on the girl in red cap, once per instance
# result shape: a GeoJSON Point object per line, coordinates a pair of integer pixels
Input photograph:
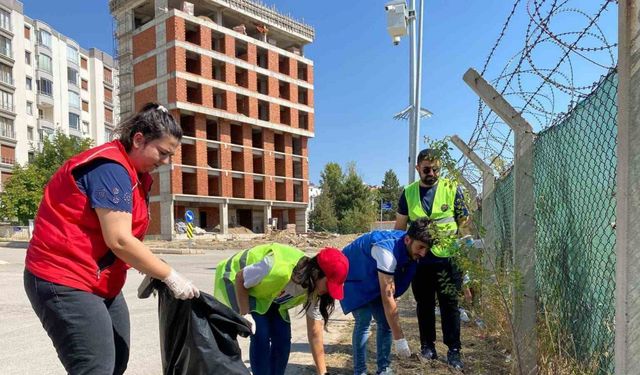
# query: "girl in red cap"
{"type": "Point", "coordinates": [264, 282]}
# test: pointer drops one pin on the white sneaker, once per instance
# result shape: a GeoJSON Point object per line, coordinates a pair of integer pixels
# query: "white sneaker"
{"type": "Point", "coordinates": [387, 371]}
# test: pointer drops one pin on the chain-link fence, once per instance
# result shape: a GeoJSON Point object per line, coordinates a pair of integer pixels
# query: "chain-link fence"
{"type": "Point", "coordinates": [503, 223]}
{"type": "Point", "coordinates": [575, 182]}
{"type": "Point", "coordinates": [574, 189]}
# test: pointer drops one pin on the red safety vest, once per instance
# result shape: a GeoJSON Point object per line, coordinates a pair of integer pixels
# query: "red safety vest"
{"type": "Point", "coordinates": [67, 247]}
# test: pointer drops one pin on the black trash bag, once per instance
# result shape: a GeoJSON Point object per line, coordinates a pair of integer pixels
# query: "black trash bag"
{"type": "Point", "coordinates": [197, 336]}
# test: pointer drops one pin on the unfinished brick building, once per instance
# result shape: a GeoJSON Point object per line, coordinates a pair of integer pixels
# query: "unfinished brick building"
{"type": "Point", "coordinates": [233, 73]}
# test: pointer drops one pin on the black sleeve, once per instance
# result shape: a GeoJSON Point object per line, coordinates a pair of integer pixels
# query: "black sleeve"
{"type": "Point", "coordinates": [403, 207]}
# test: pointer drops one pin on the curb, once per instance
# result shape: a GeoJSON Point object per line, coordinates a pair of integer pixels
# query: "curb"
{"type": "Point", "coordinates": [177, 251]}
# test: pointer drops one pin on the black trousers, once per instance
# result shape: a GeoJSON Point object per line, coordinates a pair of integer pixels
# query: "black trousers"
{"type": "Point", "coordinates": [438, 277]}
{"type": "Point", "coordinates": [90, 333]}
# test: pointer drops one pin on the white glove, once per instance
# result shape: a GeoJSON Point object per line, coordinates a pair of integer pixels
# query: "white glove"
{"type": "Point", "coordinates": [249, 317]}
{"type": "Point", "coordinates": [180, 287]}
{"type": "Point", "coordinates": [402, 348]}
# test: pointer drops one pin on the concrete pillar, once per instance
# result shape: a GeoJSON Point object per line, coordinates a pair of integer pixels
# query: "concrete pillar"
{"type": "Point", "coordinates": [627, 341]}
{"type": "Point", "coordinates": [267, 217]}
{"type": "Point", "coordinates": [223, 209]}
{"type": "Point", "coordinates": [523, 236]}
{"type": "Point", "coordinates": [167, 221]}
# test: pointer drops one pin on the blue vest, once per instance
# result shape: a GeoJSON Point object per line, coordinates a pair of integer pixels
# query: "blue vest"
{"type": "Point", "coordinates": [362, 285]}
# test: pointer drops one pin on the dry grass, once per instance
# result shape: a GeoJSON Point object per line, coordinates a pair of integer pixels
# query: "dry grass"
{"type": "Point", "coordinates": [482, 352]}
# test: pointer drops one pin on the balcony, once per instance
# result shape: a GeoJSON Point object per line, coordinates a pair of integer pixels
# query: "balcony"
{"type": "Point", "coordinates": [7, 132]}
{"type": "Point", "coordinates": [45, 123]}
{"type": "Point", "coordinates": [8, 108]}
{"type": "Point", "coordinates": [8, 161]}
{"type": "Point", "coordinates": [7, 82]}
{"type": "Point", "coordinates": [45, 98]}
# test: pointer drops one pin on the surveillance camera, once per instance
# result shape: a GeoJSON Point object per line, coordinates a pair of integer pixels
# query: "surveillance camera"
{"type": "Point", "coordinates": [388, 8]}
{"type": "Point", "coordinates": [396, 40]}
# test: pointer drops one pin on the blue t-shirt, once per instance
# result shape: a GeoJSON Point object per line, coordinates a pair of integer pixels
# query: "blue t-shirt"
{"type": "Point", "coordinates": [426, 196]}
{"type": "Point", "coordinates": [107, 185]}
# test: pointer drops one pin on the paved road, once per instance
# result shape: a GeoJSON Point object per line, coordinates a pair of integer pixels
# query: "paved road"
{"type": "Point", "coordinates": [25, 348]}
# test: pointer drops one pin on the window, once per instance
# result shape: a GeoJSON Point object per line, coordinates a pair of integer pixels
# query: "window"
{"type": "Point", "coordinates": [30, 133]}
{"type": "Point", "coordinates": [29, 83]}
{"type": "Point", "coordinates": [6, 128]}
{"type": "Point", "coordinates": [6, 101]}
{"type": "Point", "coordinates": [72, 54]}
{"type": "Point", "coordinates": [5, 46]}
{"type": "Point", "coordinates": [27, 57]}
{"type": "Point", "coordinates": [45, 87]}
{"type": "Point", "coordinates": [27, 33]}
{"type": "Point", "coordinates": [72, 76]}
{"type": "Point", "coordinates": [83, 63]}
{"type": "Point", "coordinates": [44, 63]}
{"type": "Point", "coordinates": [74, 121]}
{"type": "Point", "coordinates": [108, 75]}
{"type": "Point", "coordinates": [108, 115]}
{"type": "Point", "coordinates": [5, 19]}
{"type": "Point", "coordinates": [6, 74]}
{"type": "Point", "coordinates": [74, 99]}
{"type": "Point", "coordinates": [85, 106]}
{"type": "Point", "coordinates": [108, 134]}
{"type": "Point", "coordinates": [85, 127]}
{"type": "Point", "coordinates": [44, 38]}
{"type": "Point", "coordinates": [108, 95]}
{"type": "Point", "coordinates": [84, 84]}
{"type": "Point", "coordinates": [30, 108]}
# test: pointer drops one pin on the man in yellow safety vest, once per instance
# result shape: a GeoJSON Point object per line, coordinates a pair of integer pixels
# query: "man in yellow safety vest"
{"type": "Point", "coordinates": [442, 201]}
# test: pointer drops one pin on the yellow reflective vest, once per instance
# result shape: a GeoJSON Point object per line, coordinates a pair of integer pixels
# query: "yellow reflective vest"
{"type": "Point", "coordinates": [262, 295]}
{"type": "Point", "coordinates": [442, 214]}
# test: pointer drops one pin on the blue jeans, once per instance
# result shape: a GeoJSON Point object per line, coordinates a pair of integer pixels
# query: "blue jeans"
{"type": "Point", "coordinates": [361, 332]}
{"type": "Point", "coordinates": [90, 333]}
{"type": "Point", "coordinates": [270, 346]}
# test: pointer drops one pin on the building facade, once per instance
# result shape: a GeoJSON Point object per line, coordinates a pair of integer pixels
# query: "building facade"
{"type": "Point", "coordinates": [233, 73]}
{"type": "Point", "coordinates": [49, 82]}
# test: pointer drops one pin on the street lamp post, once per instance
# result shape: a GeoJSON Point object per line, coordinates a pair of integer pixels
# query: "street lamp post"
{"type": "Point", "coordinates": [399, 20]}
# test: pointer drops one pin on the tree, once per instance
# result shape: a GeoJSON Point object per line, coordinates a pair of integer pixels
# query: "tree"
{"type": "Point", "coordinates": [323, 217]}
{"type": "Point", "coordinates": [23, 191]}
{"type": "Point", "coordinates": [354, 192]}
{"type": "Point", "coordinates": [390, 192]}
{"type": "Point", "coordinates": [331, 179]}
{"type": "Point", "coordinates": [56, 150]}
{"type": "Point", "coordinates": [22, 194]}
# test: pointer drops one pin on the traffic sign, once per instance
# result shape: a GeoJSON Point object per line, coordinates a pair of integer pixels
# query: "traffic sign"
{"type": "Point", "coordinates": [189, 230]}
{"type": "Point", "coordinates": [386, 205]}
{"type": "Point", "coordinates": [188, 216]}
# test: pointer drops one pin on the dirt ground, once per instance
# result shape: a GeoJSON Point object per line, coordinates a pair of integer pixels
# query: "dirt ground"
{"type": "Point", "coordinates": [306, 242]}
{"type": "Point", "coordinates": [481, 352]}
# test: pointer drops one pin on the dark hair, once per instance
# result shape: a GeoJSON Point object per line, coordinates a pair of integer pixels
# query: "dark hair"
{"type": "Point", "coordinates": [422, 230]}
{"type": "Point", "coordinates": [307, 273]}
{"type": "Point", "coordinates": [428, 154]}
{"type": "Point", "coordinates": [153, 121]}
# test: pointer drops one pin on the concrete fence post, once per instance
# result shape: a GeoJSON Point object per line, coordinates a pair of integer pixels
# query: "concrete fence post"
{"type": "Point", "coordinates": [627, 331]}
{"type": "Point", "coordinates": [523, 236]}
{"type": "Point", "coordinates": [488, 181]}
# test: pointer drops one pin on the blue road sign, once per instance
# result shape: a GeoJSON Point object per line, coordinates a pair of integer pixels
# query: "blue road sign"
{"type": "Point", "coordinates": [188, 216]}
{"type": "Point", "coordinates": [386, 205]}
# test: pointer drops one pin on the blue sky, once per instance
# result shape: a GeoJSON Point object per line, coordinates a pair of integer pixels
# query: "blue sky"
{"type": "Point", "coordinates": [361, 79]}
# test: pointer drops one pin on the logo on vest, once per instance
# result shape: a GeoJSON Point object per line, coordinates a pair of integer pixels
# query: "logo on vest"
{"type": "Point", "coordinates": [444, 207]}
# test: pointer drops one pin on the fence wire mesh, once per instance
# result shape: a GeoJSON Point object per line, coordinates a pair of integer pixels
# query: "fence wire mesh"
{"type": "Point", "coordinates": [503, 223]}
{"type": "Point", "coordinates": [575, 181]}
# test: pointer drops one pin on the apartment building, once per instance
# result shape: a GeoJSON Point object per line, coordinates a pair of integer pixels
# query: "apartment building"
{"type": "Point", "coordinates": [49, 82]}
{"type": "Point", "coordinates": [234, 74]}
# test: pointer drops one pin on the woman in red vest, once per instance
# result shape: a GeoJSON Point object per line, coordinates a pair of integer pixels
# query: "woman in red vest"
{"type": "Point", "coordinates": [88, 232]}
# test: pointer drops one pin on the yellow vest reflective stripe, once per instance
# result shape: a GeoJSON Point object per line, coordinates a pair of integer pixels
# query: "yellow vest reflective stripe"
{"type": "Point", "coordinates": [262, 295]}
{"type": "Point", "coordinates": [442, 213]}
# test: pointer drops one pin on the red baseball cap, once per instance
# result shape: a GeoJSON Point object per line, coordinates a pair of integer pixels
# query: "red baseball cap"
{"type": "Point", "coordinates": [335, 267]}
